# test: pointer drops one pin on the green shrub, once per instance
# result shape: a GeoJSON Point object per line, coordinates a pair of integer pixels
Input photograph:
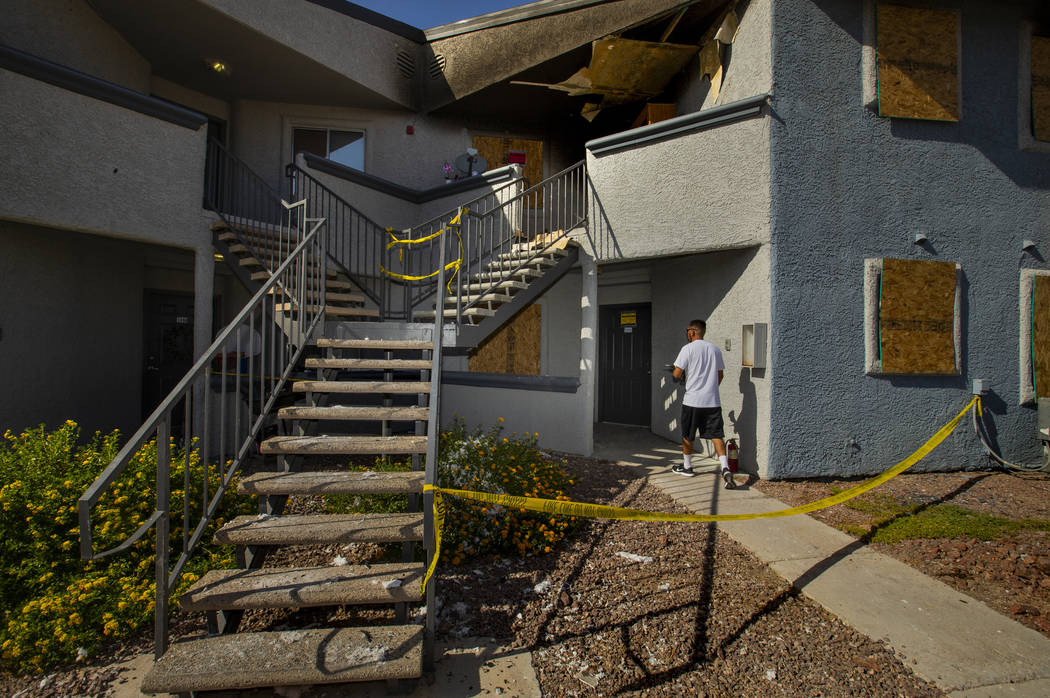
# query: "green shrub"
{"type": "Point", "coordinates": [53, 605]}
{"type": "Point", "coordinates": [487, 461]}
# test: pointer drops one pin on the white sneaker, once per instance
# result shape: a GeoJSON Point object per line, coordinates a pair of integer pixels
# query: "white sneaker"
{"type": "Point", "coordinates": [727, 478]}
{"type": "Point", "coordinates": [682, 470]}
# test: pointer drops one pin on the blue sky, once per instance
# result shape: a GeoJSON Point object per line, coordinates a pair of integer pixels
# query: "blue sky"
{"type": "Point", "coordinates": [425, 14]}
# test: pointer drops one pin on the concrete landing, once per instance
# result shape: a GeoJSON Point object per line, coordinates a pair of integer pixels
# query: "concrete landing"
{"type": "Point", "coordinates": [947, 638]}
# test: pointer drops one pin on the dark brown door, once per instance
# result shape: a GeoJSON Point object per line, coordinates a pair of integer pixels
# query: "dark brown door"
{"type": "Point", "coordinates": [624, 364]}
{"type": "Point", "coordinates": [168, 346]}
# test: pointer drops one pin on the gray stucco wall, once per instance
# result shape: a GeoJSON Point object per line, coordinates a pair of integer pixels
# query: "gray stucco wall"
{"type": "Point", "coordinates": [261, 136]}
{"type": "Point", "coordinates": [75, 162]}
{"type": "Point", "coordinates": [847, 184]}
{"type": "Point", "coordinates": [728, 290]}
{"type": "Point", "coordinates": [69, 32]}
{"type": "Point", "coordinates": [71, 319]}
{"type": "Point", "coordinates": [706, 190]}
{"type": "Point", "coordinates": [324, 35]}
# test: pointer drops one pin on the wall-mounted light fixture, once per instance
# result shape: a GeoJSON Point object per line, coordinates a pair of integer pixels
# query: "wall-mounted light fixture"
{"type": "Point", "coordinates": [1027, 245]}
{"type": "Point", "coordinates": [920, 238]}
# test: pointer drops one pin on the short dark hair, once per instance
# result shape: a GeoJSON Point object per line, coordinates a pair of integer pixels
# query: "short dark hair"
{"type": "Point", "coordinates": [698, 325]}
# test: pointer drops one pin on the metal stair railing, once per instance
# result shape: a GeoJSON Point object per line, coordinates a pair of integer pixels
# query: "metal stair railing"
{"type": "Point", "coordinates": [217, 411]}
{"type": "Point", "coordinates": [360, 247]}
{"type": "Point", "coordinates": [536, 220]}
{"type": "Point", "coordinates": [248, 206]}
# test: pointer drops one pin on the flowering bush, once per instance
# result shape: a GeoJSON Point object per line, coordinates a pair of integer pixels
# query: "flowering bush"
{"type": "Point", "coordinates": [55, 608]}
{"type": "Point", "coordinates": [487, 461]}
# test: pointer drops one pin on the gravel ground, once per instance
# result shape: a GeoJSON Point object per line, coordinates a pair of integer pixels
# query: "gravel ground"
{"type": "Point", "coordinates": [629, 608]}
{"type": "Point", "coordinates": [1011, 574]}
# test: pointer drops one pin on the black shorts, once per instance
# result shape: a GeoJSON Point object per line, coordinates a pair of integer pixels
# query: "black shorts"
{"type": "Point", "coordinates": [705, 420]}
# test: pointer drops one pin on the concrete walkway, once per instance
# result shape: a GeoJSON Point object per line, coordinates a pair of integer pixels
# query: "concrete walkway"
{"type": "Point", "coordinates": [947, 638]}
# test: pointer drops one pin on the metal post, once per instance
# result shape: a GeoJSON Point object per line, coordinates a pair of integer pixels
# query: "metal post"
{"type": "Point", "coordinates": [160, 625]}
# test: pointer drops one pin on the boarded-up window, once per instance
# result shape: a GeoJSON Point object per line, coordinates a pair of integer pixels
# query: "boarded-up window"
{"type": "Point", "coordinates": [1041, 336]}
{"type": "Point", "coordinates": [514, 348]}
{"type": "Point", "coordinates": [1041, 87]}
{"type": "Point", "coordinates": [916, 319]}
{"type": "Point", "coordinates": [505, 151]}
{"type": "Point", "coordinates": [918, 63]}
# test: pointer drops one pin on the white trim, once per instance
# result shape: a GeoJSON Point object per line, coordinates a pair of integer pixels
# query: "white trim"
{"type": "Point", "coordinates": [872, 363]}
{"type": "Point", "coordinates": [1025, 139]}
{"type": "Point", "coordinates": [1026, 390]}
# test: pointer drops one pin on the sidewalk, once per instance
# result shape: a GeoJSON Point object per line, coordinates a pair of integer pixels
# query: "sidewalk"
{"type": "Point", "coordinates": [948, 638]}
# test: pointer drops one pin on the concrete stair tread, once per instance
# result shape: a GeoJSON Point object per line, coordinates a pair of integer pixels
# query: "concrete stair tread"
{"type": "Point", "coordinates": [377, 445]}
{"type": "Point", "coordinates": [451, 312]}
{"type": "Point", "coordinates": [493, 297]}
{"type": "Point", "coordinates": [330, 296]}
{"type": "Point", "coordinates": [503, 285]}
{"type": "Point", "coordinates": [375, 344]}
{"type": "Point", "coordinates": [321, 529]}
{"type": "Point", "coordinates": [274, 263]}
{"type": "Point", "coordinates": [490, 276]}
{"type": "Point", "coordinates": [288, 658]}
{"type": "Point", "coordinates": [220, 590]}
{"type": "Point", "coordinates": [526, 253]}
{"type": "Point", "coordinates": [396, 364]}
{"type": "Point", "coordinates": [361, 387]}
{"type": "Point", "coordinates": [328, 310]}
{"type": "Point", "coordinates": [333, 482]}
{"type": "Point", "coordinates": [509, 265]}
{"type": "Point", "coordinates": [353, 413]}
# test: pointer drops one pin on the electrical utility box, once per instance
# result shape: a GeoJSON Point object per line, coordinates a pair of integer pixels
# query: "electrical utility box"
{"type": "Point", "coordinates": [753, 345]}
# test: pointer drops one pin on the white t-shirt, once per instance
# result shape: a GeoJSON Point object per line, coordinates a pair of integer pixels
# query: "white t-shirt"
{"type": "Point", "coordinates": [701, 362]}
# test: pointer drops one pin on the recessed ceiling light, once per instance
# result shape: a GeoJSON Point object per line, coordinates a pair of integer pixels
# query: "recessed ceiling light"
{"type": "Point", "coordinates": [219, 67]}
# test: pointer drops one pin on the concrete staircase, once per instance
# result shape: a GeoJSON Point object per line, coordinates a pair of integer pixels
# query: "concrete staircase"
{"type": "Point", "coordinates": [508, 283]}
{"type": "Point", "coordinates": [254, 249]}
{"type": "Point", "coordinates": [321, 426]}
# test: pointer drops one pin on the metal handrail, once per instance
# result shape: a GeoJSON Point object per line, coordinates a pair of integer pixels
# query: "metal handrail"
{"type": "Point", "coordinates": [551, 208]}
{"type": "Point", "coordinates": [358, 245]}
{"type": "Point", "coordinates": [264, 355]}
{"type": "Point", "coordinates": [248, 205]}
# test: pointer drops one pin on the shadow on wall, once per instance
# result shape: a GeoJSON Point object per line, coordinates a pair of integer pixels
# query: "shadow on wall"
{"type": "Point", "coordinates": [599, 231]}
{"type": "Point", "coordinates": [744, 424]}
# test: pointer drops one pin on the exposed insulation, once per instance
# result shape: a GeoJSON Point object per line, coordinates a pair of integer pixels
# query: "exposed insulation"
{"type": "Point", "coordinates": [917, 317]}
{"type": "Point", "coordinates": [918, 63]}
{"type": "Point", "coordinates": [514, 348]}
{"type": "Point", "coordinates": [1041, 335]}
{"type": "Point", "coordinates": [1041, 87]}
{"type": "Point", "coordinates": [497, 152]}
{"type": "Point", "coordinates": [654, 112]}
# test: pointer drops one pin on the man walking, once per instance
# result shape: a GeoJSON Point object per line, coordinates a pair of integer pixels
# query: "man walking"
{"type": "Point", "coordinates": [700, 362]}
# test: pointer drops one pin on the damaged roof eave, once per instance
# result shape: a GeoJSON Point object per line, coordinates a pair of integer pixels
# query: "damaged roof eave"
{"type": "Point", "coordinates": [486, 50]}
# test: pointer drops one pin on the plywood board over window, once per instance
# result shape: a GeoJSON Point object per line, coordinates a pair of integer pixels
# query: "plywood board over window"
{"type": "Point", "coordinates": [497, 152]}
{"type": "Point", "coordinates": [918, 62]}
{"type": "Point", "coordinates": [917, 307]}
{"type": "Point", "coordinates": [514, 348]}
{"type": "Point", "coordinates": [1041, 336]}
{"type": "Point", "coordinates": [1041, 87]}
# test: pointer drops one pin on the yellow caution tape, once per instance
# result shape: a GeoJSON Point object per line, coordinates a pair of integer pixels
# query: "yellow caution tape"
{"type": "Point", "coordinates": [601, 511]}
{"type": "Point", "coordinates": [451, 266]}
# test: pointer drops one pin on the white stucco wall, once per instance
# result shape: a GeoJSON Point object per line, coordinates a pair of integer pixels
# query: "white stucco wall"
{"type": "Point", "coordinates": [728, 290]}
{"type": "Point", "coordinates": [79, 163]}
{"type": "Point", "coordinates": [68, 32]}
{"type": "Point", "coordinates": [706, 190]}
{"type": "Point", "coordinates": [747, 68]}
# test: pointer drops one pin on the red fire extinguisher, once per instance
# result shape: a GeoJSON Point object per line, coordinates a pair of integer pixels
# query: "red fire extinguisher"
{"type": "Point", "coordinates": [733, 455]}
